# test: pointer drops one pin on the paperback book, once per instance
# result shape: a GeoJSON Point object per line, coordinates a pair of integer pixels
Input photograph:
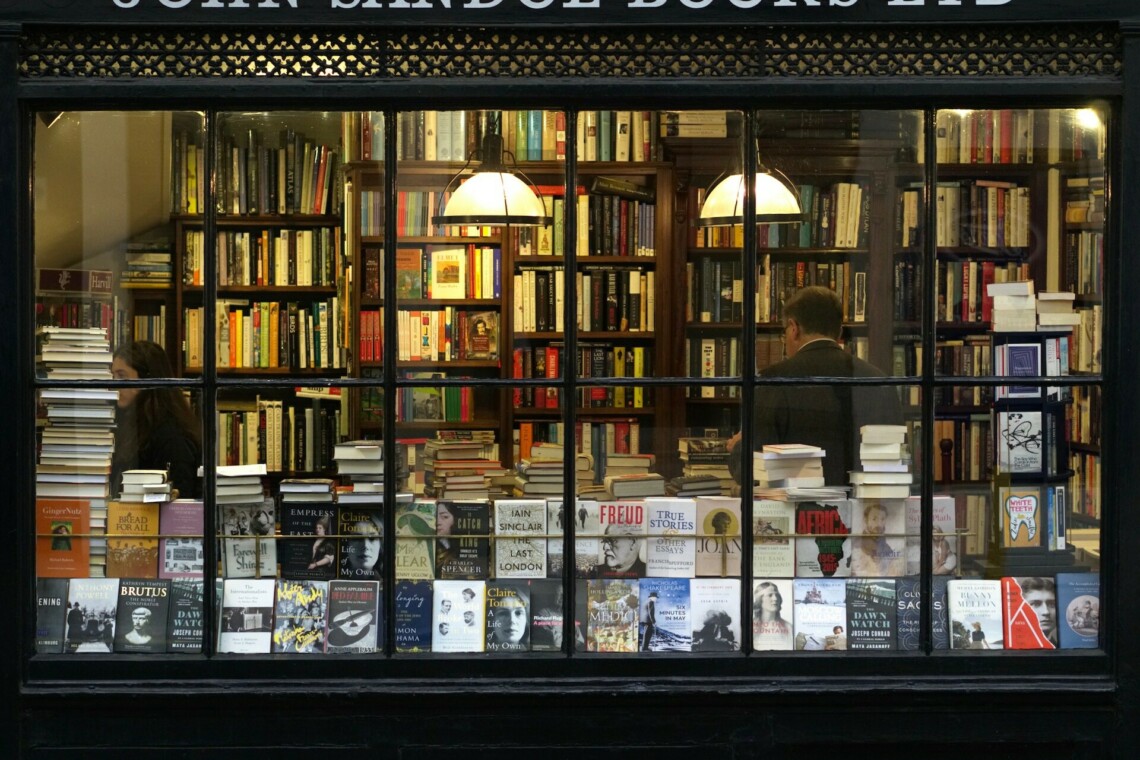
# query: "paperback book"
{"type": "Point", "coordinates": [415, 540]}
{"type": "Point", "coordinates": [672, 544]}
{"type": "Point", "coordinates": [93, 605]}
{"type": "Point", "coordinates": [975, 610]}
{"type": "Point", "coordinates": [1078, 604]}
{"type": "Point", "coordinates": [462, 549]}
{"type": "Point", "coordinates": [612, 615]}
{"type": "Point", "coordinates": [180, 548]}
{"type": "Point", "coordinates": [508, 616]}
{"type": "Point", "coordinates": [412, 616]}
{"type": "Point", "coordinates": [248, 546]}
{"type": "Point", "coordinates": [720, 542]}
{"type": "Point", "coordinates": [459, 616]}
{"type": "Point", "coordinates": [520, 538]}
{"type": "Point", "coordinates": [823, 543]}
{"type": "Point", "coordinates": [246, 620]}
{"type": "Point", "coordinates": [360, 542]}
{"type": "Point", "coordinates": [664, 615]}
{"type": "Point", "coordinates": [773, 548]}
{"type": "Point", "coordinates": [51, 615]}
{"type": "Point", "coordinates": [621, 549]}
{"type": "Point", "coordinates": [306, 549]}
{"type": "Point", "coordinates": [820, 617]}
{"type": "Point", "coordinates": [300, 615]}
{"type": "Point", "coordinates": [872, 615]}
{"type": "Point", "coordinates": [1029, 612]}
{"type": "Point", "coordinates": [355, 619]}
{"type": "Point", "coordinates": [772, 614]}
{"type": "Point", "coordinates": [715, 617]}
{"type": "Point", "coordinates": [185, 629]}
{"type": "Point", "coordinates": [144, 605]}
{"type": "Point", "coordinates": [547, 615]}
{"type": "Point", "coordinates": [878, 543]}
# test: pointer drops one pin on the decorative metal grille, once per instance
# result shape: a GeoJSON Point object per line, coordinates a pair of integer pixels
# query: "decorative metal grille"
{"type": "Point", "coordinates": [1038, 51]}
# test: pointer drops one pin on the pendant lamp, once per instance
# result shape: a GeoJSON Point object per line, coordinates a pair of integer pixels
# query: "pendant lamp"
{"type": "Point", "coordinates": [493, 194]}
{"type": "Point", "coordinates": [774, 195]}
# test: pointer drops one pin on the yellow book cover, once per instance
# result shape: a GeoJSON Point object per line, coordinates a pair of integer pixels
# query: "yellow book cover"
{"type": "Point", "coordinates": [132, 540]}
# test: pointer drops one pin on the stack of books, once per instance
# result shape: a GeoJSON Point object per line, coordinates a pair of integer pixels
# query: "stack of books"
{"type": "Point", "coordinates": [148, 260]}
{"type": "Point", "coordinates": [884, 463]}
{"type": "Point", "coordinates": [361, 466]}
{"type": "Point", "coordinates": [539, 477]}
{"type": "Point", "coordinates": [790, 471]}
{"type": "Point", "coordinates": [694, 485]}
{"type": "Point", "coordinates": [704, 458]}
{"type": "Point", "coordinates": [635, 485]}
{"type": "Point", "coordinates": [240, 484]}
{"type": "Point", "coordinates": [77, 439]}
{"type": "Point", "coordinates": [1015, 306]}
{"type": "Point", "coordinates": [1055, 311]}
{"type": "Point", "coordinates": [456, 468]}
{"type": "Point", "coordinates": [146, 487]}
{"type": "Point", "coordinates": [306, 490]}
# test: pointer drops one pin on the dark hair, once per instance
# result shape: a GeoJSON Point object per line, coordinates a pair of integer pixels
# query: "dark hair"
{"type": "Point", "coordinates": [817, 310]}
{"type": "Point", "coordinates": [153, 406]}
{"type": "Point", "coordinates": [1037, 584]}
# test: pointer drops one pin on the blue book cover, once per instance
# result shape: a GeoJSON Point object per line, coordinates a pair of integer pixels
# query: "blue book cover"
{"type": "Point", "coordinates": [871, 614]}
{"type": "Point", "coordinates": [665, 625]}
{"type": "Point", "coordinates": [940, 622]}
{"type": "Point", "coordinates": [1078, 603]}
{"type": "Point", "coordinates": [1023, 360]}
{"type": "Point", "coordinates": [412, 616]}
{"type": "Point", "coordinates": [605, 135]}
{"type": "Point", "coordinates": [534, 135]}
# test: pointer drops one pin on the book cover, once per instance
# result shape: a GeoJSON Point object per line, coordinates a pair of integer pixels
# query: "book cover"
{"type": "Point", "coordinates": [715, 615]}
{"type": "Point", "coordinates": [520, 538]}
{"type": "Point", "coordinates": [355, 620]}
{"type": "Point", "coordinates": [412, 616]}
{"type": "Point", "coordinates": [1029, 612]}
{"type": "Point", "coordinates": [51, 615]}
{"type": "Point", "coordinates": [939, 613]}
{"type": "Point", "coordinates": [671, 526]}
{"type": "Point", "coordinates": [908, 613]}
{"type": "Point", "coordinates": [1021, 360]}
{"type": "Point", "coordinates": [93, 605]}
{"type": "Point", "coordinates": [974, 606]}
{"type": "Point", "coordinates": [180, 549]}
{"type": "Point", "coordinates": [720, 536]}
{"type": "Point", "coordinates": [1019, 442]}
{"type": "Point", "coordinates": [1019, 510]}
{"type": "Point", "coordinates": [458, 616]}
{"type": "Point", "coordinates": [360, 542]}
{"type": "Point", "coordinates": [823, 545]}
{"type": "Point", "coordinates": [773, 549]}
{"type": "Point", "coordinates": [482, 335]}
{"type": "Point", "coordinates": [248, 546]}
{"type": "Point", "coordinates": [587, 538]}
{"type": "Point", "coordinates": [772, 614]}
{"type": "Point", "coordinates": [878, 542]}
{"type": "Point", "coordinates": [132, 540]}
{"type": "Point", "coordinates": [664, 615]}
{"type": "Point", "coordinates": [820, 616]}
{"type": "Point", "coordinates": [409, 273]}
{"type": "Point", "coordinates": [306, 548]}
{"type": "Point", "coordinates": [612, 615]}
{"type": "Point", "coordinates": [299, 617]}
{"type": "Point", "coordinates": [555, 542]}
{"type": "Point", "coordinates": [547, 607]}
{"type": "Point", "coordinates": [508, 616]}
{"type": "Point", "coordinates": [185, 626]}
{"type": "Point", "coordinates": [621, 549]}
{"type": "Point", "coordinates": [944, 540]}
{"type": "Point", "coordinates": [462, 547]}
{"type": "Point", "coordinates": [415, 540]}
{"type": "Point", "coordinates": [60, 551]}
{"type": "Point", "coordinates": [245, 624]}
{"type": "Point", "coordinates": [1078, 602]}
{"type": "Point", "coordinates": [448, 273]}
{"type": "Point", "coordinates": [872, 616]}
{"type": "Point", "coordinates": [144, 607]}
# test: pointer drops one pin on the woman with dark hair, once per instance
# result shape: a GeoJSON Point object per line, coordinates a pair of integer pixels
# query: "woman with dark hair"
{"type": "Point", "coordinates": [155, 427]}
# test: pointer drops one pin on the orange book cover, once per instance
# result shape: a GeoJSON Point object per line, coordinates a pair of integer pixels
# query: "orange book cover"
{"type": "Point", "coordinates": [62, 549]}
{"type": "Point", "coordinates": [1030, 612]}
{"type": "Point", "coordinates": [235, 337]}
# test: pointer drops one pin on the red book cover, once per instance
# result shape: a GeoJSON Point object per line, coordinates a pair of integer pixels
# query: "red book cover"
{"type": "Point", "coordinates": [1006, 137]}
{"type": "Point", "coordinates": [621, 437]}
{"type": "Point", "coordinates": [365, 343]}
{"type": "Point", "coordinates": [235, 318]}
{"type": "Point", "coordinates": [526, 439]}
{"type": "Point", "coordinates": [1030, 612]}
{"type": "Point", "coordinates": [965, 314]}
{"type": "Point", "coordinates": [539, 370]}
{"type": "Point", "coordinates": [560, 135]}
{"type": "Point", "coordinates": [552, 372]}
{"type": "Point", "coordinates": [516, 371]}
{"type": "Point", "coordinates": [60, 553]}
{"type": "Point", "coordinates": [987, 299]}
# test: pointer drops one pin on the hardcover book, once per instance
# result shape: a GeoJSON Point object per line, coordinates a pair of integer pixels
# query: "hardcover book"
{"type": "Point", "coordinates": [245, 624]}
{"type": "Point", "coordinates": [587, 537]}
{"type": "Point", "coordinates": [823, 545]}
{"type": "Point", "coordinates": [547, 608]}
{"type": "Point", "coordinates": [482, 335]}
{"type": "Point", "coordinates": [412, 616]}
{"type": "Point", "coordinates": [132, 540]}
{"type": "Point", "coordinates": [1020, 442]}
{"type": "Point", "coordinates": [555, 543]}
{"type": "Point", "coordinates": [93, 604]}
{"type": "Point", "coordinates": [180, 549]}
{"type": "Point", "coordinates": [300, 616]}
{"type": "Point", "coordinates": [360, 542]}
{"type": "Point", "coordinates": [144, 606]}
{"type": "Point", "coordinates": [61, 552]}
{"type": "Point", "coordinates": [720, 537]}
{"type": "Point", "coordinates": [458, 616]}
{"type": "Point", "coordinates": [1020, 514]}
{"type": "Point", "coordinates": [664, 615]}
{"type": "Point", "coordinates": [185, 626]}
{"type": "Point", "coordinates": [51, 615]}
{"type": "Point", "coordinates": [878, 542]}
{"type": "Point", "coordinates": [248, 546]}
{"type": "Point", "coordinates": [944, 539]}
{"type": "Point", "coordinates": [1078, 604]}
{"type": "Point", "coordinates": [612, 615]}
{"type": "Point", "coordinates": [773, 549]}
{"type": "Point", "coordinates": [621, 549]}
{"type": "Point", "coordinates": [715, 616]}
{"type": "Point", "coordinates": [462, 549]}
{"type": "Point", "coordinates": [1029, 612]}
{"type": "Point", "coordinates": [508, 615]}
{"type": "Point", "coordinates": [975, 611]}
{"type": "Point", "coordinates": [772, 614]}
{"type": "Point", "coordinates": [671, 526]}
{"type": "Point", "coordinates": [908, 613]}
{"type": "Point", "coordinates": [313, 557]}
{"type": "Point", "coordinates": [355, 619]}
{"type": "Point", "coordinates": [520, 538]}
{"type": "Point", "coordinates": [872, 617]}
{"type": "Point", "coordinates": [415, 540]}
{"type": "Point", "coordinates": [820, 617]}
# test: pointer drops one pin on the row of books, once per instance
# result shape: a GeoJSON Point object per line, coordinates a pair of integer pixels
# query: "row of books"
{"type": "Point", "coordinates": [285, 437]}
{"type": "Point", "coordinates": [266, 334]}
{"type": "Point", "coordinates": [980, 213]}
{"type": "Point", "coordinates": [436, 404]}
{"type": "Point", "coordinates": [438, 272]}
{"type": "Point", "coordinates": [607, 224]}
{"type": "Point", "coordinates": [1083, 271]}
{"type": "Point", "coordinates": [778, 279]}
{"type": "Point", "coordinates": [1016, 136]}
{"type": "Point", "coordinates": [444, 335]}
{"type": "Point", "coordinates": [263, 174]}
{"type": "Point", "coordinates": [267, 258]}
{"type": "Point", "coordinates": [962, 288]}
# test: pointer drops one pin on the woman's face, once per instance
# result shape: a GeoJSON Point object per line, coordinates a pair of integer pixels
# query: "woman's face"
{"type": "Point", "coordinates": [120, 370]}
{"type": "Point", "coordinates": [769, 600]}
{"type": "Point", "coordinates": [510, 622]}
{"type": "Point", "coordinates": [370, 542]}
{"type": "Point", "coordinates": [444, 521]}
{"type": "Point", "coordinates": [321, 529]}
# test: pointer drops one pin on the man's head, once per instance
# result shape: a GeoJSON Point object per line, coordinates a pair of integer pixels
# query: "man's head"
{"type": "Point", "coordinates": [874, 519]}
{"type": "Point", "coordinates": [621, 548]}
{"type": "Point", "coordinates": [1041, 596]}
{"type": "Point", "coordinates": [140, 618]}
{"type": "Point", "coordinates": [810, 314]}
{"type": "Point", "coordinates": [469, 617]}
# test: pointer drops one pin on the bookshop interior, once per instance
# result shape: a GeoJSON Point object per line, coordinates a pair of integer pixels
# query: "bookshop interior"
{"type": "Point", "coordinates": [391, 384]}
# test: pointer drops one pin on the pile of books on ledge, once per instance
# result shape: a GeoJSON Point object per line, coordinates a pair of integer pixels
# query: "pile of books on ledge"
{"type": "Point", "coordinates": [789, 471]}
{"type": "Point", "coordinates": [884, 464]}
{"type": "Point", "coordinates": [145, 487]}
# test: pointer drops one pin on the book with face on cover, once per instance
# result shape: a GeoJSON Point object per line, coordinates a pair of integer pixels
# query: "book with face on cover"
{"type": "Point", "coordinates": [1078, 610]}
{"type": "Point", "coordinates": [459, 616]}
{"type": "Point", "coordinates": [612, 615]}
{"type": "Point", "coordinates": [144, 605]}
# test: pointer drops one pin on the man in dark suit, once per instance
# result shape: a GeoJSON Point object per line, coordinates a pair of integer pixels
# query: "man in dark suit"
{"type": "Point", "coordinates": [828, 416]}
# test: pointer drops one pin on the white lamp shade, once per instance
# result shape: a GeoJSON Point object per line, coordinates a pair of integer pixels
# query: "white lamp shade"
{"type": "Point", "coordinates": [775, 202]}
{"type": "Point", "coordinates": [494, 198]}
